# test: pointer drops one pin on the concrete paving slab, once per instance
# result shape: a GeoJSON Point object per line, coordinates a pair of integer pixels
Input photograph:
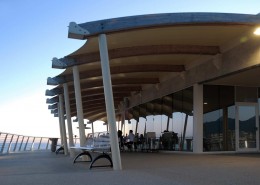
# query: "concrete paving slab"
{"type": "Point", "coordinates": [139, 168]}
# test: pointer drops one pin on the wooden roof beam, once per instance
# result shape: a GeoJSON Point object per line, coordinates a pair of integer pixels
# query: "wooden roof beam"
{"type": "Point", "coordinates": [122, 69]}
{"type": "Point", "coordinates": [140, 51]}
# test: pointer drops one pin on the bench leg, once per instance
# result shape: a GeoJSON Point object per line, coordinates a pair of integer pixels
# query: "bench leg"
{"type": "Point", "coordinates": [104, 155]}
{"type": "Point", "coordinates": [83, 153]}
{"type": "Point", "coordinates": [59, 149]}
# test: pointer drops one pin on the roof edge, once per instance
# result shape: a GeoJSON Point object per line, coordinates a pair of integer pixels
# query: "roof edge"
{"type": "Point", "coordinates": [88, 29]}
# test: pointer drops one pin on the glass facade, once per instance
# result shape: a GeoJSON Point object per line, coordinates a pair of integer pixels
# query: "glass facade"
{"type": "Point", "coordinates": [230, 121]}
{"type": "Point", "coordinates": [247, 126]}
{"type": "Point", "coordinates": [169, 117]}
{"type": "Point", "coordinates": [219, 118]}
{"type": "Point", "coordinates": [225, 108]}
{"type": "Point", "coordinates": [258, 93]}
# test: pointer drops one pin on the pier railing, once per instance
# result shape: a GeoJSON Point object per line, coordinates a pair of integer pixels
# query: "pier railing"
{"type": "Point", "coordinates": [10, 143]}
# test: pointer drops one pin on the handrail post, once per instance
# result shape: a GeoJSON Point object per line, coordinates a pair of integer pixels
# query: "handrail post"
{"type": "Point", "coordinates": [9, 146]}
{"type": "Point", "coordinates": [16, 143]}
{"type": "Point", "coordinates": [26, 144]}
{"type": "Point", "coordinates": [21, 144]}
{"type": "Point", "coordinates": [40, 144]}
{"type": "Point", "coordinates": [47, 144]}
{"type": "Point", "coordinates": [3, 146]}
{"type": "Point", "coordinates": [32, 143]}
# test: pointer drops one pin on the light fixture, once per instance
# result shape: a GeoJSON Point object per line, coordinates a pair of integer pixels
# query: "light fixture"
{"type": "Point", "coordinates": [257, 31]}
{"type": "Point", "coordinates": [205, 103]}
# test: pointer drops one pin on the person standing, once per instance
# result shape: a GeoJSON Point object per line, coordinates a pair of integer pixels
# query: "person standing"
{"type": "Point", "coordinates": [130, 140]}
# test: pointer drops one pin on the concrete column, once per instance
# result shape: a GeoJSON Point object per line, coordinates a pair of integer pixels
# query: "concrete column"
{"type": "Point", "coordinates": [63, 128]}
{"type": "Point", "coordinates": [61, 136]}
{"type": "Point", "coordinates": [68, 116]}
{"type": "Point", "coordinates": [92, 127]}
{"type": "Point", "coordinates": [197, 118]}
{"type": "Point", "coordinates": [111, 118]}
{"type": "Point", "coordinates": [82, 135]}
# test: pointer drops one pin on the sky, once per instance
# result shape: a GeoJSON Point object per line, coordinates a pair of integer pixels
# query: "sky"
{"type": "Point", "coordinates": [34, 31]}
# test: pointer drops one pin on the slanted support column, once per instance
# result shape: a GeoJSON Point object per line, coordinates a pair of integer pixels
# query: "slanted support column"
{"type": "Point", "coordinates": [77, 88]}
{"type": "Point", "coordinates": [110, 108]}
{"type": "Point", "coordinates": [63, 128]}
{"type": "Point", "coordinates": [61, 136]}
{"type": "Point", "coordinates": [68, 116]}
{"type": "Point", "coordinates": [198, 118]}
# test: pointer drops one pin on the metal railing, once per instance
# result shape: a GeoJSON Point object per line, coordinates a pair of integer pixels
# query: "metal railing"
{"type": "Point", "coordinates": [11, 143]}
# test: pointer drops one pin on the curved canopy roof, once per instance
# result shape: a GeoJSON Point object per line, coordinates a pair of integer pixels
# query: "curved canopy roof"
{"type": "Point", "coordinates": [144, 51]}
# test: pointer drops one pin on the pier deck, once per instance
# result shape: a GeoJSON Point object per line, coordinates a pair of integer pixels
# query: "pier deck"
{"type": "Point", "coordinates": [44, 168]}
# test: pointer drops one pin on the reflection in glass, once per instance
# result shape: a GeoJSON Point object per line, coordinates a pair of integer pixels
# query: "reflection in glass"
{"type": "Point", "coordinates": [183, 118]}
{"type": "Point", "coordinates": [219, 120]}
{"type": "Point", "coordinates": [259, 108]}
{"type": "Point", "coordinates": [172, 113]}
{"type": "Point", "coordinates": [247, 127]}
{"type": "Point", "coordinates": [231, 135]}
{"type": "Point", "coordinates": [213, 131]}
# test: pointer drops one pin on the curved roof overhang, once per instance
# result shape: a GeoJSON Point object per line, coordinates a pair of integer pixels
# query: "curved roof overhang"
{"type": "Point", "coordinates": [144, 51]}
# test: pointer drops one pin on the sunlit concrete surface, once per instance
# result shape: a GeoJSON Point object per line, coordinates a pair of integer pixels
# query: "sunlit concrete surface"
{"type": "Point", "coordinates": [138, 168]}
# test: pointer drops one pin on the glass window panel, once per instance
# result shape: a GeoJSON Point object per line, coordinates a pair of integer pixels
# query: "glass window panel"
{"type": "Point", "coordinates": [231, 135]}
{"type": "Point", "coordinates": [141, 125]}
{"type": "Point", "coordinates": [178, 121]}
{"type": "Point", "coordinates": [157, 125]}
{"type": "Point", "coordinates": [218, 127]}
{"type": "Point", "coordinates": [165, 120]}
{"type": "Point", "coordinates": [226, 96]}
{"type": "Point", "coordinates": [213, 131]}
{"type": "Point", "coordinates": [150, 124]}
{"type": "Point", "coordinates": [210, 98]}
{"type": "Point", "coordinates": [246, 94]}
{"type": "Point", "coordinates": [247, 127]}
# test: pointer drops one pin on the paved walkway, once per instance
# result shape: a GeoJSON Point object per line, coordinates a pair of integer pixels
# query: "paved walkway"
{"type": "Point", "coordinates": [46, 168]}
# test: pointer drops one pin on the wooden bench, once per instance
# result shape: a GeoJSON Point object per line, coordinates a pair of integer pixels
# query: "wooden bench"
{"type": "Point", "coordinates": [98, 142]}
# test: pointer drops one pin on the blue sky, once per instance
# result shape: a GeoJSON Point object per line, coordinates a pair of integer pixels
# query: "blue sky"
{"type": "Point", "coordinates": [34, 31]}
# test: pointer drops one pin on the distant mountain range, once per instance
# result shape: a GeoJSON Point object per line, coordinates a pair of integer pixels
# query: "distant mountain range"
{"type": "Point", "coordinates": [215, 127]}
